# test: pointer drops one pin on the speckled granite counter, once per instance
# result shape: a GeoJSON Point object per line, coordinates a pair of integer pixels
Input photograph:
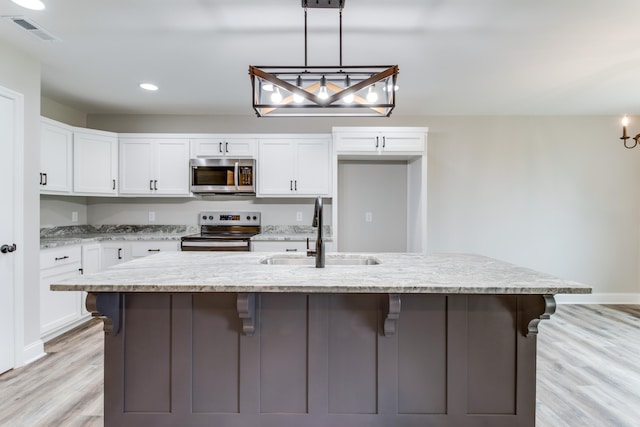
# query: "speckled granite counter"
{"type": "Point", "coordinates": [53, 237]}
{"type": "Point", "coordinates": [395, 273]}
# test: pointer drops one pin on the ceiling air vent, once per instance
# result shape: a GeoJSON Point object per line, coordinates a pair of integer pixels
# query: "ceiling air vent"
{"type": "Point", "coordinates": [33, 28]}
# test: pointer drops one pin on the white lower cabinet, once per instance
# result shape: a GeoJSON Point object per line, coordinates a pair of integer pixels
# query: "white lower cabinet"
{"type": "Point", "coordinates": [115, 252]}
{"type": "Point", "coordinates": [146, 248]}
{"type": "Point", "coordinates": [91, 263]}
{"type": "Point", "coordinates": [59, 311]}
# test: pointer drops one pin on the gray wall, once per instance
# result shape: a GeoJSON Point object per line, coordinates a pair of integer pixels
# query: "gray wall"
{"type": "Point", "coordinates": [21, 74]}
{"type": "Point", "coordinates": [554, 193]}
{"type": "Point", "coordinates": [379, 188]}
{"type": "Point", "coordinates": [62, 113]}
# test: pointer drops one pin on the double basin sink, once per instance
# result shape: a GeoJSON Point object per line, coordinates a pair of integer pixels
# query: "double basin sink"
{"type": "Point", "coordinates": [332, 259]}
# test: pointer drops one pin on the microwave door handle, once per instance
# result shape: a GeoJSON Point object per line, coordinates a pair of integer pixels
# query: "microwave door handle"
{"type": "Point", "coordinates": [235, 176]}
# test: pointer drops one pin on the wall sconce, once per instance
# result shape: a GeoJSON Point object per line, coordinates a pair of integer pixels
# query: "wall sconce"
{"type": "Point", "coordinates": [625, 137]}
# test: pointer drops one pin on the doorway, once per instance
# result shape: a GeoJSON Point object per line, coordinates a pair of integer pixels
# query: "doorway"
{"type": "Point", "coordinates": [10, 134]}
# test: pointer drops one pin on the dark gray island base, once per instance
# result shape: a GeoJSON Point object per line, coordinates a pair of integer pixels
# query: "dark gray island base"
{"type": "Point", "coordinates": [229, 359]}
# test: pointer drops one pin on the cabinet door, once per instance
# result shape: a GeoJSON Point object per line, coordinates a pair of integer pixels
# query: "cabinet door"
{"type": "Point", "coordinates": [282, 246]}
{"type": "Point", "coordinates": [403, 142]}
{"type": "Point", "coordinates": [91, 263]}
{"type": "Point", "coordinates": [276, 167]}
{"type": "Point", "coordinates": [95, 163]}
{"type": "Point", "coordinates": [56, 144]}
{"type": "Point", "coordinates": [136, 160]}
{"type": "Point", "coordinates": [171, 176]}
{"type": "Point", "coordinates": [58, 309]}
{"type": "Point", "coordinates": [239, 147]}
{"type": "Point", "coordinates": [207, 147]}
{"type": "Point", "coordinates": [368, 142]}
{"type": "Point", "coordinates": [114, 253]}
{"type": "Point", "coordinates": [143, 249]}
{"type": "Point", "coordinates": [313, 161]}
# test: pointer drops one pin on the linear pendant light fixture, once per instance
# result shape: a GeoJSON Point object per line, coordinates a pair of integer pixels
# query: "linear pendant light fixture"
{"type": "Point", "coordinates": [324, 91]}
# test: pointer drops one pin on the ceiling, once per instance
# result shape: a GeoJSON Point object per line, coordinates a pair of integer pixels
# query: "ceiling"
{"type": "Point", "coordinates": [456, 57]}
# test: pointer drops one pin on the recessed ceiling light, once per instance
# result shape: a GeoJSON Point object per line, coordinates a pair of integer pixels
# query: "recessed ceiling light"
{"type": "Point", "coordinates": [30, 4]}
{"type": "Point", "coordinates": [148, 86]}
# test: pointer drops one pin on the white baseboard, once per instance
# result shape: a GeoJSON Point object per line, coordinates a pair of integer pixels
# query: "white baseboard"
{"type": "Point", "coordinates": [65, 328]}
{"type": "Point", "coordinates": [32, 352]}
{"type": "Point", "coordinates": [598, 298]}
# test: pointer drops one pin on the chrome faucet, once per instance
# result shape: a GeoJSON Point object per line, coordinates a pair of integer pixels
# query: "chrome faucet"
{"type": "Point", "coordinates": [317, 222]}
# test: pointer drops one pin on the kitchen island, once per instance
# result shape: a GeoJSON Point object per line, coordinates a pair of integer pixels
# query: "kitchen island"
{"type": "Point", "coordinates": [254, 339]}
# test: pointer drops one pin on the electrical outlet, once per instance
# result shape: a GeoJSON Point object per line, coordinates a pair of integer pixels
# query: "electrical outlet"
{"type": "Point", "coordinates": [368, 217]}
{"type": "Point", "coordinates": [152, 216]}
{"type": "Point", "coordinates": [74, 216]}
{"type": "Point", "coordinates": [298, 216]}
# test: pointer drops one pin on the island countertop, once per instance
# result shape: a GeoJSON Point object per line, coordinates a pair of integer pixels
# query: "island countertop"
{"type": "Point", "coordinates": [246, 272]}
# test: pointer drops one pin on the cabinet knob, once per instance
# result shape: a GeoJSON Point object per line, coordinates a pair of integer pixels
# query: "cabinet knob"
{"type": "Point", "coordinates": [8, 248]}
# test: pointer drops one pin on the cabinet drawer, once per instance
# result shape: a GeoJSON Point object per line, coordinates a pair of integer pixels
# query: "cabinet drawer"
{"type": "Point", "coordinates": [142, 249]}
{"type": "Point", "coordinates": [60, 256]}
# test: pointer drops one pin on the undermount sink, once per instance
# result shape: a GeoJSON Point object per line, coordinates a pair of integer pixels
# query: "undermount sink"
{"type": "Point", "coordinates": [338, 259]}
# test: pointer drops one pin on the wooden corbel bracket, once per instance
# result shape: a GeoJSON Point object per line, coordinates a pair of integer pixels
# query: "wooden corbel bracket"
{"type": "Point", "coordinates": [535, 309]}
{"type": "Point", "coordinates": [246, 306]}
{"type": "Point", "coordinates": [392, 315]}
{"type": "Point", "coordinates": [108, 306]}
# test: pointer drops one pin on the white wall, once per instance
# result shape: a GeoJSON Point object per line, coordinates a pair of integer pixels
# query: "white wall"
{"type": "Point", "coordinates": [21, 74]}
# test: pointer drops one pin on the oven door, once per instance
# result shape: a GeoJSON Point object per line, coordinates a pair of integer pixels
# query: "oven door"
{"type": "Point", "coordinates": [215, 245]}
{"type": "Point", "coordinates": [223, 176]}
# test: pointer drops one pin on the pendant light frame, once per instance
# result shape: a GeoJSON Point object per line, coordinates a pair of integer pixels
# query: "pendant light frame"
{"type": "Point", "coordinates": [287, 77]}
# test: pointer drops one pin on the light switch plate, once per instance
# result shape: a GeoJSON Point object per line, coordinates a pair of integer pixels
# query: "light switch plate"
{"type": "Point", "coordinates": [368, 217]}
{"type": "Point", "coordinates": [74, 216]}
{"type": "Point", "coordinates": [298, 216]}
{"type": "Point", "coordinates": [152, 216]}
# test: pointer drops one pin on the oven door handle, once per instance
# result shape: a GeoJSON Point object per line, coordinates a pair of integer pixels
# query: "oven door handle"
{"type": "Point", "coordinates": [235, 176]}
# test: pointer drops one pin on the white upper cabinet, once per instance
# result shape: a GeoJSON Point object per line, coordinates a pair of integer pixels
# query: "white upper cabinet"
{"type": "Point", "coordinates": [237, 146]}
{"type": "Point", "coordinates": [380, 141]}
{"type": "Point", "coordinates": [294, 166]}
{"type": "Point", "coordinates": [95, 162]}
{"type": "Point", "coordinates": [154, 166]}
{"type": "Point", "coordinates": [56, 145]}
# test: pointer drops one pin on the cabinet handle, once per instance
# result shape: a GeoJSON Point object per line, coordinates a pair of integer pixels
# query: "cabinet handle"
{"type": "Point", "coordinates": [81, 270]}
{"type": "Point", "coordinates": [151, 184]}
{"type": "Point", "coordinates": [220, 147]}
{"type": "Point", "coordinates": [114, 184]}
{"type": "Point", "coordinates": [153, 250]}
{"type": "Point", "coordinates": [291, 250]}
{"type": "Point", "coordinates": [384, 141]}
{"type": "Point", "coordinates": [295, 185]}
{"type": "Point", "coordinates": [61, 258]}
{"type": "Point", "coordinates": [45, 178]}
{"type": "Point", "coordinates": [226, 147]}
{"type": "Point", "coordinates": [155, 184]}
{"type": "Point", "coordinates": [119, 253]}
{"type": "Point", "coordinates": [291, 185]}
{"type": "Point", "coordinates": [40, 178]}
{"type": "Point", "coordinates": [377, 142]}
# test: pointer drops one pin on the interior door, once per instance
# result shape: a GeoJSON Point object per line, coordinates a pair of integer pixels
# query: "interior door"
{"type": "Point", "coordinates": [7, 259]}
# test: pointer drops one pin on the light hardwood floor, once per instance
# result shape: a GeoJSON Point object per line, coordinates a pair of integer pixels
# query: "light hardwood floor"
{"type": "Point", "coordinates": [588, 374]}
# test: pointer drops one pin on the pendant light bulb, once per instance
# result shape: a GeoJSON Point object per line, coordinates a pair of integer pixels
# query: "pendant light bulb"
{"type": "Point", "coordinates": [372, 96]}
{"type": "Point", "coordinates": [276, 96]}
{"type": "Point", "coordinates": [298, 99]}
{"type": "Point", "coordinates": [323, 94]}
{"type": "Point", "coordinates": [268, 86]}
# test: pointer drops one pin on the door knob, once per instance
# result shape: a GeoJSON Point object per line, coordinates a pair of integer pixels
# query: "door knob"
{"type": "Point", "coordinates": [7, 248]}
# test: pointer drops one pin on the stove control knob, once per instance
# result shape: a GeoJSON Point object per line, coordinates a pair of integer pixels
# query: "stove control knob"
{"type": "Point", "coordinates": [255, 217]}
{"type": "Point", "coordinates": [210, 217]}
{"type": "Point", "coordinates": [248, 217]}
{"type": "Point", "coordinates": [204, 217]}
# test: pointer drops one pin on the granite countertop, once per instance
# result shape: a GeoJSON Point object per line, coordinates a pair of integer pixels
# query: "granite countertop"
{"type": "Point", "coordinates": [395, 273]}
{"type": "Point", "coordinates": [53, 237]}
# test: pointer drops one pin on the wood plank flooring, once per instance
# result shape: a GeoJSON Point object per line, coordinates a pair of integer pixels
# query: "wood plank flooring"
{"type": "Point", "coordinates": [588, 374]}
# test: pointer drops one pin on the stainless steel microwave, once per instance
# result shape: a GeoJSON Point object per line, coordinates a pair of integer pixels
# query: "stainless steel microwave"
{"type": "Point", "coordinates": [223, 176]}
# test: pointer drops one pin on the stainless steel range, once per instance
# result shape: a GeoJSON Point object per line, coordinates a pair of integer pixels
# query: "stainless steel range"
{"type": "Point", "coordinates": [223, 231]}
